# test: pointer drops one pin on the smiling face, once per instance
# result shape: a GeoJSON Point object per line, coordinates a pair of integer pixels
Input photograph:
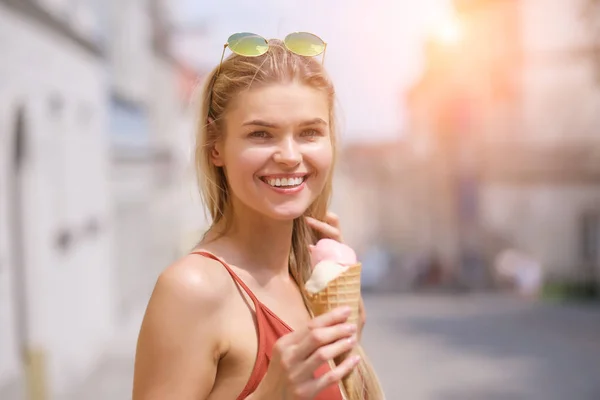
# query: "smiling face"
{"type": "Point", "coordinates": [277, 150]}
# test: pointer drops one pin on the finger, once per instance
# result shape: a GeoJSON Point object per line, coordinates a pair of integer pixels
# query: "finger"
{"type": "Point", "coordinates": [324, 229]}
{"type": "Point", "coordinates": [333, 317]}
{"type": "Point", "coordinates": [317, 338]}
{"type": "Point", "coordinates": [324, 354]}
{"type": "Point", "coordinates": [336, 374]}
{"type": "Point", "coordinates": [332, 219]}
{"type": "Point", "coordinates": [289, 339]}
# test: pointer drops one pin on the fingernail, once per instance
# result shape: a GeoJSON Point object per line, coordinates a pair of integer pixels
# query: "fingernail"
{"type": "Point", "coordinates": [346, 310]}
{"type": "Point", "coordinates": [352, 339]}
{"type": "Point", "coordinates": [351, 328]}
{"type": "Point", "coordinates": [355, 359]}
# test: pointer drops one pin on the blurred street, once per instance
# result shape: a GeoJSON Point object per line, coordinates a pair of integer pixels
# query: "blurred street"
{"type": "Point", "coordinates": [441, 347]}
{"type": "Point", "coordinates": [483, 347]}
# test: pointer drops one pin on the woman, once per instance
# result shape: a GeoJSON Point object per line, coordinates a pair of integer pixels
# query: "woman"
{"type": "Point", "coordinates": [230, 321]}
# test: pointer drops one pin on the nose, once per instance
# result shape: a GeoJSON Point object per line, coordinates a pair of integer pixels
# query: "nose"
{"type": "Point", "coordinates": [288, 152]}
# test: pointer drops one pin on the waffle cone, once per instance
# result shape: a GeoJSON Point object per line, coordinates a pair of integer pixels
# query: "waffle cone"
{"type": "Point", "coordinates": [342, 291]}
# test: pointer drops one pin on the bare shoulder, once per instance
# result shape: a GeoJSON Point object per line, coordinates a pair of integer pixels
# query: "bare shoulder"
{"type": "Point", "coordinates": [194, 281]}
{"type": "Point", "coordinates": [181, 340]}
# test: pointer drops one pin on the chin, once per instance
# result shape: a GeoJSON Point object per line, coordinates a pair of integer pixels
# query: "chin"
{"type": "Point", "coordinates": [287, 213]}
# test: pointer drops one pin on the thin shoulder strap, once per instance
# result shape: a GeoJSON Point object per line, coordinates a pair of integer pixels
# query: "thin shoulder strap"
{"type": "Point", "coordinates": [261, 325]}
{"type": "Point", "coordinates": [237, 279]}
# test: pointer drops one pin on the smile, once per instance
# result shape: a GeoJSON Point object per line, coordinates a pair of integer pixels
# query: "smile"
{"type": "Point", "coordinates": [285, 184]}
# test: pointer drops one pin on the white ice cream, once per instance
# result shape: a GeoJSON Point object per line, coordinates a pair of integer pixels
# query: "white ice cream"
{"type": "Point", "coordinates": [323, 273]}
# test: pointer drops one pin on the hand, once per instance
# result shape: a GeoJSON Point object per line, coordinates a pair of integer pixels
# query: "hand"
{"type": "Point", "coordinates": [330, 228]}
{"type": "Point", "coordinates": [297, 355]}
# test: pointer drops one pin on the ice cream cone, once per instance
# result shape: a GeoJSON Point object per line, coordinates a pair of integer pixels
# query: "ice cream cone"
{"type": "Point", "coordinates": [342, 291]}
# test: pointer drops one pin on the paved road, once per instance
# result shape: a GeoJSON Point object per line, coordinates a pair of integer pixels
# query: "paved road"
{"type": "Point", "coordinates": [428, 347]}
{"type": "Point", "coordinates": [483, 347]}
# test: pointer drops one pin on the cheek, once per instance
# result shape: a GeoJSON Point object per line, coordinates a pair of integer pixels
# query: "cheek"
{"type": "Point", "coordinates": [242, 167]}
{"type": "Point", "coordinates": [245, 161]}
{"type": "Point", "coordinates": [320, 157]}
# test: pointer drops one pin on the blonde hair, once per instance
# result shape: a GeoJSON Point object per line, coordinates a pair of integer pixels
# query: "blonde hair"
{"type": "Point", "coordinates": [237, 73]}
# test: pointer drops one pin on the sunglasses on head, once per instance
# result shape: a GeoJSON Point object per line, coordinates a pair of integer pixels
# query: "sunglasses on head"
{"type": "Point", "coordinates": [252, 45]}
{"type": "Point", "coordinates": [249, 44]}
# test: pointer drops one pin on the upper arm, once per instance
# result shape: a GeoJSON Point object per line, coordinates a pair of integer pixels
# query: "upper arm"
{"type": "Point", "coordinates": [178, 345]}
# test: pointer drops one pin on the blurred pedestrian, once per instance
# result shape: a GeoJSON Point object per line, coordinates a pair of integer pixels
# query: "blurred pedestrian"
{"type": "Point", "coordinates": [521, 271]}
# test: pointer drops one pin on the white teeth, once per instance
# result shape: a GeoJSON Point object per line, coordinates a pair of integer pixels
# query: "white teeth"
{"type": "Point", "coordinates": [278, 182]}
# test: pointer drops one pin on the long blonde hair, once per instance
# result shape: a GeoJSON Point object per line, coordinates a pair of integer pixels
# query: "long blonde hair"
{"type": "Point", "coordinates": [237, 73]}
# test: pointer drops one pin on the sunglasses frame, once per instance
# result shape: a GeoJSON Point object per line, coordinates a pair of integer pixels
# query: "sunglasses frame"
{"type": "Point", "coordinates": [226, 45]}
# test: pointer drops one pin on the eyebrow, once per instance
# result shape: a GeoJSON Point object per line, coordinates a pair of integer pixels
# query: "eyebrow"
{"type": "Point", "coordinates": [258, 122]}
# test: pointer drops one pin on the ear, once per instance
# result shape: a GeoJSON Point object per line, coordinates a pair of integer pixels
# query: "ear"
{"type": "Point", "coordinates": [216, 155]}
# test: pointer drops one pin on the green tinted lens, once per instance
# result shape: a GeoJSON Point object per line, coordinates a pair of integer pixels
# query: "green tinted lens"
{"type": "Point", "coordinates": [247, 44]}
{"type": "Point", "coordinates": [304, 44]}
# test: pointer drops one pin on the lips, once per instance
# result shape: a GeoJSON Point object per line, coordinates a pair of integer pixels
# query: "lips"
{"type": "Point", "coordinates": [284, 181]}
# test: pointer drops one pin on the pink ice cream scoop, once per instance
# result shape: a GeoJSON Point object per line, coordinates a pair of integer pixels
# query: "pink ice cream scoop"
{"type": "Point", "coordinates": [334, 282]}
{"type": "Point", "coordinates": [332, 250]}
{"type": "Point", "coordinates": [334, 268]}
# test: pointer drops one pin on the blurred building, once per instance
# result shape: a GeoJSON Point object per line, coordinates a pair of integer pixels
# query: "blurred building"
{"type": "Point", "coordinates": [95, 187]}
{"type": "Point", "coordinates": [152, 119]}
{"type": "Point", "coordinates": [381, 196]}
{"type": "Point", "coordinates": [55, 222]}
{"type": "Point", "coordinates": [144, 114]}
{"type": "Point", "coordinates": [378, 210]}
{"type": "Point", "coordinates": [506, 115]}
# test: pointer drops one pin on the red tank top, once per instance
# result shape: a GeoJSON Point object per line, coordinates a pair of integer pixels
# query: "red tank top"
{"type": "Point", "coordinates": [269, 328]}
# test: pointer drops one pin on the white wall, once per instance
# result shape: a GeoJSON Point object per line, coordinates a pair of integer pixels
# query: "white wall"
{"type": "Point", "coordinates": [561, 96]}
{"type": "Point", "coordinates": [174, 121]}
{"type": "Point", "coordinates": [70, 310]}
{"type": "Point", "coordinates": [79, 14]}
{"type": "Point", "coordinates": [9, 361]}
{"type": "Point", "coordinates": [129, 47]}
{"type": "Point", "coordinates": [165, 105]}
{"type": "Point", "coordinates": [155, 207]}
{"type": "Point", "coordinates": [194, 220]}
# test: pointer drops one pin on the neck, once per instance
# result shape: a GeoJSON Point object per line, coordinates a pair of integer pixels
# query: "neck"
{"type": "Point", "coordinates": [256, 243]}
